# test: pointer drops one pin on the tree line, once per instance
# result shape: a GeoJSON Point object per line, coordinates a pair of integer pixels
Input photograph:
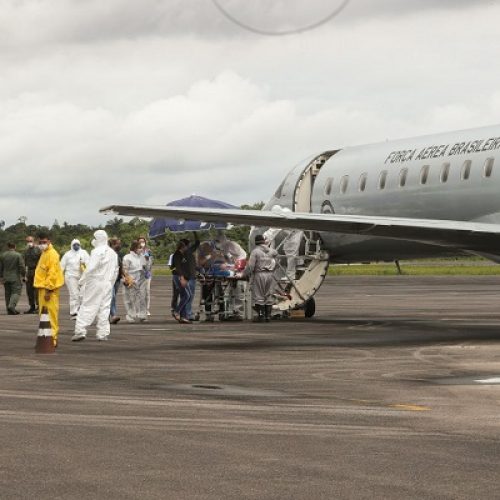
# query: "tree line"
{"type": "Point", "coordinates": [127, 231]}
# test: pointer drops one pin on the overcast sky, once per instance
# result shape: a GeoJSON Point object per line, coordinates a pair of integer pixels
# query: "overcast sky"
{"type": "Point", "coordinates": [126, 101]}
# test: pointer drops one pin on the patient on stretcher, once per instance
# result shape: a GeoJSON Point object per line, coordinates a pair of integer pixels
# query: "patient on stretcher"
{"type": "Point", "coordinates": [221, 257]}
{"type": "Point", "coordinates": [222, 294]}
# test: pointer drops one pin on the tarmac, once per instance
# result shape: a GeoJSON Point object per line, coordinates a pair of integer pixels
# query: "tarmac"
{"type": "Point", "coordinates": [391, 391]}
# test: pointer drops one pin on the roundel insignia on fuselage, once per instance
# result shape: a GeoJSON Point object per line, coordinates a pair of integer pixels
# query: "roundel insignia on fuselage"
{"type": "Point", "coordinates": [327, 208]}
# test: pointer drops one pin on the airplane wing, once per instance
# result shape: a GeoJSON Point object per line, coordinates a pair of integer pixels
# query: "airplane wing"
{"type": "Point", "coordinates": [464, 235]}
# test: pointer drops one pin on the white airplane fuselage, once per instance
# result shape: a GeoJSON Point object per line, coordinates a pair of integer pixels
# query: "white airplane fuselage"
{"type": "Point", "coordinates": [451, 176]}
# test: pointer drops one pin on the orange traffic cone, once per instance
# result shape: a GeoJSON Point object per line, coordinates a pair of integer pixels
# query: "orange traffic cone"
{"type": "Point", "coordinates": [44, 341]}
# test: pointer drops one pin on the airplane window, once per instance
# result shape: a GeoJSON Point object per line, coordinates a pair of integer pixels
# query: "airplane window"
{"type": "Point", "coordinates": [344, 182]}
{"type": "Point", "coordinates": [403, 175]}
{"type": "Point", "coordinates": [362, 181]}
{"type": "Point", "coordinates": [382, 180]}
{"type": "Point", "coordinates": [466, 170]}
{"type": "Point", "coordinates": [488, 167]}
{"type": "Point", "coordinates": [445, 172]}
{"type": "Point", "coordinates": [328, 185]}
{"type": "Point", "coordinates": [424, 174]}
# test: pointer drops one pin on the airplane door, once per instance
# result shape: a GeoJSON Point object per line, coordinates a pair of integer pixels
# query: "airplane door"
{"type": "Point", "coordinates": [302, 199]}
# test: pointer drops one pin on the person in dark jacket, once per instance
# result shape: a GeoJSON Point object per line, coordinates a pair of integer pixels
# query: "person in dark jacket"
{"type": "Point", "coordinates": [180, 275]}
{"type": "Point", "coordinates": [12, 273]}
{"type": "Point", "coordinates": [175, 291]}
{"type": "Point", "coordinates": [116, 245]}
{"type": "Point", "coordinates": [31, 257]}
{"type": "Point", "coordinates": [190, 253]}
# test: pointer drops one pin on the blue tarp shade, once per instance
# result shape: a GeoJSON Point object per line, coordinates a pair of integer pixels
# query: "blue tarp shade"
{"type": "Point", "coordinates": [159, 226]}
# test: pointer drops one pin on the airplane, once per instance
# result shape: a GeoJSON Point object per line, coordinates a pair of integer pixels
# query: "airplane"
{"type": "Point", "coordinates": [429, 196]}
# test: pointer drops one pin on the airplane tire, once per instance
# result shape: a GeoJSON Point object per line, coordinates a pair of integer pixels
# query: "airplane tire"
{"type": "Point", "coordinates": [309, 308]}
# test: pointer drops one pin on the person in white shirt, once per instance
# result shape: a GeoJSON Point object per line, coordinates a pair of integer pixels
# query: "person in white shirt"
{"type": "Point", "coordinates": [135, 269]}
{"type": "Point", "coordinates": [73, 263]}
{"type": "Point", "coordinates": [146, 252]}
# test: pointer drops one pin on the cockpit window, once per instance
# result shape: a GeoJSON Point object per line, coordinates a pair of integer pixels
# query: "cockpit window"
{"type": "Point", "coordinates": [279, 191]}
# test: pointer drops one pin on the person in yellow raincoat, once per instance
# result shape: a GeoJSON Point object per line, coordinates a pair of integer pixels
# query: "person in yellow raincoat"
{"type": "Point", "coordinates": [49, 279]}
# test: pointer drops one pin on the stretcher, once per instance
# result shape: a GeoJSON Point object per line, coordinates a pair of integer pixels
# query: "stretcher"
{"type": "Point", "coordinates": [224, 297]}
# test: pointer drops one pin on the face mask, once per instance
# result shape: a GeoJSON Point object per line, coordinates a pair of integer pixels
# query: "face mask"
{"type": "Point", "coordinates": [43, 246]}
{"type": "Point", "coordinates": [76, 247]}
{"type": "Point", "coordinates": [30, 244]}
{"type": "Point", "coordinates": [142, 244]}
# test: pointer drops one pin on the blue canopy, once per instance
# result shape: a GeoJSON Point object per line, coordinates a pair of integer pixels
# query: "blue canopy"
{"type": "Point", "coordinates": [159, 226]}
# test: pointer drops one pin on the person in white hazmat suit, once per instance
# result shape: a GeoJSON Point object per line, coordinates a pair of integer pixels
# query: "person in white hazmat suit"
{"type": "Point", "coordinates": [73, 264]}
{"type": "Point", "coordinates": [290, 244]}
{"type": "Point", "coordinates": [272, 232]}
{"type": "Point", "coordinates": [231, 249]}
{"type": "Point", "coordinates": [291, 247]}
{"type": "Point", "coordinates": [97, 281]}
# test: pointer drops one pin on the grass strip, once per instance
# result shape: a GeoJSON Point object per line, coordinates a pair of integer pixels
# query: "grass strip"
{"type": "Point", "coordinates": [391, 270]}
{"type": "Point", "coordinates": [414, 270]}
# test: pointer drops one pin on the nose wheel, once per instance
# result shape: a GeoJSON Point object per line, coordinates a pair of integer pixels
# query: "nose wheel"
{"type": "Point", "coordinates": [309, 308]}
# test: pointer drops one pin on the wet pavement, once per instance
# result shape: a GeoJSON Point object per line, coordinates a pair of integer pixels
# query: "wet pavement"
{"type": "Point", "coordinates": [391, 391]}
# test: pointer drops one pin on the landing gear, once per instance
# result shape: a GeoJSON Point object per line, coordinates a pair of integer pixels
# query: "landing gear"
{"type": "Point", "coordinates": [309, 308]}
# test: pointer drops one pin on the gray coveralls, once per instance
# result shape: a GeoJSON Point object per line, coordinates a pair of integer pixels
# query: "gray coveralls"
{"type": "Point", "coordinates": [261, 267]}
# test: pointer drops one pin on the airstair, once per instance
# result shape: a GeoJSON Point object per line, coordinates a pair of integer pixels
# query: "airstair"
{"type": "Point", "coordinates": [295, 291]}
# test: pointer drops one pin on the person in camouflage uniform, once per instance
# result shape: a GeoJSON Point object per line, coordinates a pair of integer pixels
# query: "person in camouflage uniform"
{"type": "Point", "coordinates": [12, 273]}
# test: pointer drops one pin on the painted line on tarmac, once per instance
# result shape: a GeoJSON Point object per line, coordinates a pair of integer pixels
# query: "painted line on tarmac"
{"type": "Point", "coordinates": [350, 407]}
{"type": "Point", "coordinates": [489, 381]}
{"type": "Point", "coordinates": [410, 407]}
